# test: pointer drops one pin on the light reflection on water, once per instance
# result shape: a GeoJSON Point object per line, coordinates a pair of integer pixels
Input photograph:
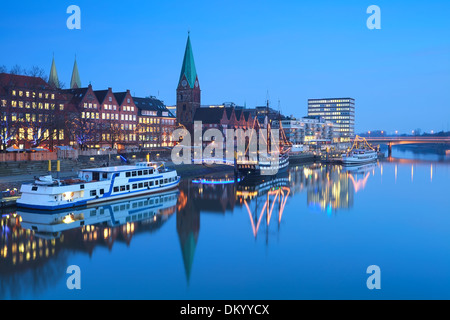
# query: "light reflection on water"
{"type": "Point", "coordinates": [310, 233]}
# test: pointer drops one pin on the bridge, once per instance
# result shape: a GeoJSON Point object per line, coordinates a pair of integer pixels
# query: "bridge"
{"type": "Point", "coordinates": [397, 140]}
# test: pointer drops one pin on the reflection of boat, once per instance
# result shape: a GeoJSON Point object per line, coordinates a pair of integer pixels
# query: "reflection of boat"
{"type": "Point", "coordinates": [98, 185]}
{"type": "Point", "coordinates": [249, 188]}
{"type": "Point", "coordinates": [113, 213]}
{"type": "Point", "coordinates": [360, 169]}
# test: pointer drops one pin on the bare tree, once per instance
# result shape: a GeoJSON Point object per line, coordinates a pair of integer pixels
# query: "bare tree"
{"type": "Point", "coordinates": [81, 130]}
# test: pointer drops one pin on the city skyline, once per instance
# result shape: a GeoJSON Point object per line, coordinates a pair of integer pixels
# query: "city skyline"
{"type": "Point", "coordinates": [305, 52]}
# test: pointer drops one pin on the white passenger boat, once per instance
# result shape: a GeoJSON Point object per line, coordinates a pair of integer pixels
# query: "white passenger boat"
{"type": "Point", "coordinates": [97, 185]}
{"type": "Point", "coordinates": [359, 156]}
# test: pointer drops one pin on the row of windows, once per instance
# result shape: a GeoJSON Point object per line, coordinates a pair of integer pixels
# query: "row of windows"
{"type": "Point", "coordinates": [140, 185]}
{"type": "Point", "coordinates": [32, 105]}
{"type": "Point", "coordinates": [138, 173]}
{"type": "Point", "coordinates": [32, 94]}
{"type": "Point", "coordinates": [330, 100]}
{"type": "Point", "coordinates": [28, 117]}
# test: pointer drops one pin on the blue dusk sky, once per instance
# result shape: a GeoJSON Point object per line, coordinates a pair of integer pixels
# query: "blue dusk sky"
{"type": "Point", "coordinates": [246, 51]}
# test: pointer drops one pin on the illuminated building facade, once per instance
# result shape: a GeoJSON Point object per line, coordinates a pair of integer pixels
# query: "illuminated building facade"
{"type": "Point", "coordinates": [340, 111]}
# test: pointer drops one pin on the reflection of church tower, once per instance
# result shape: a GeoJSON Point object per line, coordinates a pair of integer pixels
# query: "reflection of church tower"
{"type": "Point", "coordinates": [188, 227]}
{"type": "Point", "coordinates": [188, 90]}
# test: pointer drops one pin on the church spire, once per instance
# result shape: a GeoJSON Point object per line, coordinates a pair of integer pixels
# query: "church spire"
{"type": "Point", "coordinates": [188, 68]}
{"type": "Point", "coordinates": [75, 82]}
{"type": "Point", "coordinates": [53, 78]}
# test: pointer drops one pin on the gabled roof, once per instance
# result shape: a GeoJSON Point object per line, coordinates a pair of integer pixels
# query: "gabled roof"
{"type": "Point", "coordinates": [188, 67]}
{"type": "Point", "coordinates": [209, 115]}
{"type": "Point", "coordinates": [120, 97]}
{"type": "Point", "coordinates": [229, 111]}
{"type": "Point", "coordinates": [101, 95]}
{"type": "Point", "coordinates": [246, 115]}
{"type": "Point", "coordinates": [77, 94]}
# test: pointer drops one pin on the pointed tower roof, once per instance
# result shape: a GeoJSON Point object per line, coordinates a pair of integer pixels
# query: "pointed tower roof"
{"type": "Point", "coordinates": [53, 78]}
{"type": "Point", "coordinates": [188, 68]}
{"type": "Point", "coordinates": [75, 82]}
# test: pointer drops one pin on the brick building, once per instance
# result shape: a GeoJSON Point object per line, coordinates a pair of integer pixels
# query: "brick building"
{"type": "Point", "coordinates": [32, 113]}
{"type": "Point", "coordinates": [155, 123]}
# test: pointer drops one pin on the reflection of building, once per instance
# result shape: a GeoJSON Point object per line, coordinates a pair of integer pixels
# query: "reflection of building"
{"type": "Point", "coordinates": [188, 89]}
{"type": "Point", "coordinates": [188, 227]}
{"type": "Point", "coordinates": [328, 188]}
{"type": "Point", "coordinates": [331, 191]}
{"type": "Point", "coordinates": [41, 241]}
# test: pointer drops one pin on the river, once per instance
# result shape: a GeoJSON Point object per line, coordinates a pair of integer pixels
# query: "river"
{"type": "Point", "coordinates": [310, 234]}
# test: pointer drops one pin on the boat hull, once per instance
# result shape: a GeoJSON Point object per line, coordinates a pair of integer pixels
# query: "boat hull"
{"type": "Point", "coordinates": [82, 203]}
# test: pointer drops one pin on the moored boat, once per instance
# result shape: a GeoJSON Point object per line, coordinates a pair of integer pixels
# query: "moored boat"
{"type": "Point", "coordinates": [359, 156]}
{"type": "Point", "coordinates": [97, 185]}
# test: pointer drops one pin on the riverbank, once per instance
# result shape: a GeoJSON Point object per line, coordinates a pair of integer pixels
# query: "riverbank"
{"type": "Point", "coordinates": [14, 178]}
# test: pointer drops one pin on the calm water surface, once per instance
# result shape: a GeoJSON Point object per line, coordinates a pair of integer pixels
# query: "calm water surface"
{"type": "Point", "coordinates": [311, 234]}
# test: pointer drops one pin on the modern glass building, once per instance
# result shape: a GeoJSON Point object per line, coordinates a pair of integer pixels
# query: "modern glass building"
{"type": "Point", "coordinates": [340, 111]}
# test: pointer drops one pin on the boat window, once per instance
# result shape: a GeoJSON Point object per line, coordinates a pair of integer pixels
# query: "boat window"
{"type": "Point", "coordinates": [141, 185]}
{"type": "Point", "coordinates": [145, 184]}
{"type": "Point", "coordinates": [104, 175]}
{"type": "Point", "coordinates": [150, 171]}
{"type": "Point", "coordinates": [151, 183]}
{"type": "Point", "coordinates": [34, 188]}
{"type": "Point", "coordinates": [81, 186]}
{"type": "Point", "coordinates": [145, 172]}
{"type": "Point", "coordinates": [116, 189]}
{"type": "Point", "coordinates": [161, 181]}
{"type": "Point", "coordinates": [135, 186]}
{"type": "Point", "coordinates": [165, 180]}
{"type": "Point", "coordinates": [93, 193]}
{"type": "Point", "coordinates": [156, 182]}
{"type": "Point", "coordinates": [102, 191]}
{"type": "Point", "coordinates": [140, 173]}
{"type": "Point", "coordinates": [122, 188]}
{"type": "Point", "coordinates": [128, 187]}
{"type": "Point", "coordinates": [128, 174]}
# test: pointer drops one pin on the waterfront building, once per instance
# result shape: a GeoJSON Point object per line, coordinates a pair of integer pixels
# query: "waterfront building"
{"type": "Point", "coordinates": [308, 130]}
{"type": "Point", "coordinates": [128, 119]}
{"type": "Point", "coordinates": [155, 123]}
{"type": "Point", "coordinates": [83, 118]}
{"type": "Point", "coordinates": [188, 90]}
{"type": "Point", "coordinates": [340, 111]}
{"type": "Point", "coordinates": [32, 112]}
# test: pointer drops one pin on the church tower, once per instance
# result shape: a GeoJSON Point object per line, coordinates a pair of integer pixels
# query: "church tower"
{"type": "Point", "coordinates": [188, 90]}
{"type": "Point", "coordinates": [75, 82]}
{"type": "Point", "coordinates": [53, 78]}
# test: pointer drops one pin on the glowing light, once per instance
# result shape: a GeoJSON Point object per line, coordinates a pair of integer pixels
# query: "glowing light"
{"type": "Point", "coordinates": [68, 219]}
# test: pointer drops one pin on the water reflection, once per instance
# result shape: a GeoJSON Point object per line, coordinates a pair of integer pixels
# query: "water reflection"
{"type": "Point", "coordinates": [33, 246]}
